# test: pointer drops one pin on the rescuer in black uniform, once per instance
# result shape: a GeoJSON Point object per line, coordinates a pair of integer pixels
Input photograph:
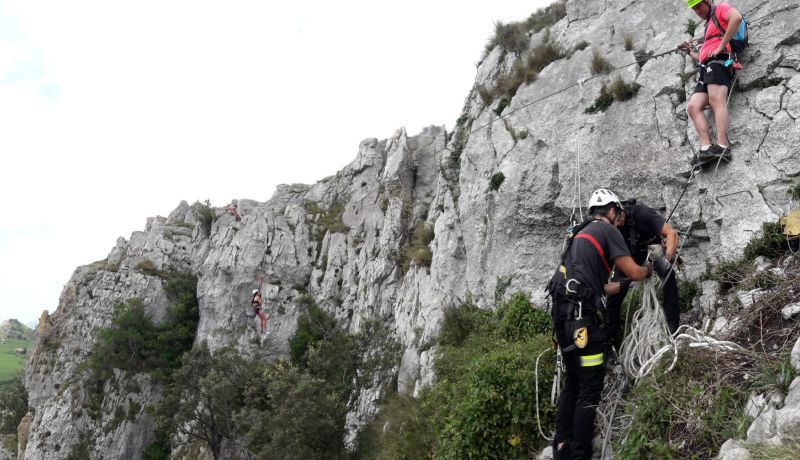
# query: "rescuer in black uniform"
{"type": "Point", "coordinates": [641, 227]}
{"type": "Point", "coordinates": [579, 318]}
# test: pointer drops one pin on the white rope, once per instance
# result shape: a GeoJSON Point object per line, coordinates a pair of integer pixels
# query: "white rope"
{"type": "Point", "coordinates": [649, 340]}
{"type": "Point", "coordinates": [555, 379]}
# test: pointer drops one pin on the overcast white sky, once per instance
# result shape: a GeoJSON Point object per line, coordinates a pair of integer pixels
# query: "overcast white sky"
{"type": "Point", "coordinates": [113, 111]}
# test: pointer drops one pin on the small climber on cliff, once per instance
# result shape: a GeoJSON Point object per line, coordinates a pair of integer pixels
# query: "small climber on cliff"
{"type": "Point", "coordinates": [233, 210]}
{"type": "Point", "coordinates": [258, 308]}
{"type": "Point", "coordinates": [716, 60]}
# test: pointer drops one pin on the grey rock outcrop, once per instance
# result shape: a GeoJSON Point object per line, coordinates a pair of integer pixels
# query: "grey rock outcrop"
{"type": "Point", "coordinates": [342, 240]}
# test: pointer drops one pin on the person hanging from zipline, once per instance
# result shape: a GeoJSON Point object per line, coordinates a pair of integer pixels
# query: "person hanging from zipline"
{"type": "Point", "coordinates": [579, 317]}
{"type": "Point", "coordinates": [717, 65]}
{"type": "Point", "coordinates": [257, 303]}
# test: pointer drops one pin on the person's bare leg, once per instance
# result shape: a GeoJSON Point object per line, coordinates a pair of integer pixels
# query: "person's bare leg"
{"type": "Point", "coordinates": [695, 108]}
{"type": "Point", "coordinates": [718, 99]}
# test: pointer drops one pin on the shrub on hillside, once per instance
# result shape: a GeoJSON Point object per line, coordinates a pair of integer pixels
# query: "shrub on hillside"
{"type": "Point", "coordinates": [495, 417]}
{"type": "Point", "coordinates": [546, 17]}
{"type": "Point", "coordinates": [521, 320]}
{"type": "Point", "coordinates": [418, 250]}
{"type": "Point", "coordinates": [770, 243]}
{"type": "Point", "coordinates": [13, 405]}
{"type": "Point", "coordinates": [599, 63]}
{"type": "Point", "coordinates": [512, 37]}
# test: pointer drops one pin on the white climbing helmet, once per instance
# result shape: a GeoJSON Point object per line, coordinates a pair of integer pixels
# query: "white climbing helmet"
{"type": "Point", "coordinates": [602, 197]}
{"type": "Point", "coordinates": [255, 291]}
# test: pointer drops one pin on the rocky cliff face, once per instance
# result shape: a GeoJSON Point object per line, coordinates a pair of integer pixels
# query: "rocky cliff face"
{"type": "Point", "coordinates": [343, 239]}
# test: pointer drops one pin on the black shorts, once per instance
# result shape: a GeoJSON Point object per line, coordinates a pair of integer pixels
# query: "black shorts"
{"type": "Point", "coordinates": [714, 73]}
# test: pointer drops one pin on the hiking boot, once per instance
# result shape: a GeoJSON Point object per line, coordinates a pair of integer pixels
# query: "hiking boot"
{"type": "Point", "coordinates": [725, 153]}
{"type": "Point", "coordinates": [704, 157]}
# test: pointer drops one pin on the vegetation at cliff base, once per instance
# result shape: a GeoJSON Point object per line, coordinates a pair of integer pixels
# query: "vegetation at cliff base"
{"type": "Point", "coordinates": [483, 404]}
{"type": "Point", "coordinates": [288, 410]}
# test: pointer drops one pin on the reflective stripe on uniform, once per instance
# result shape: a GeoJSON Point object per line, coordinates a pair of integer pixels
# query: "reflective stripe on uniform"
{"type": "Point", "coordinates": [591, 360]}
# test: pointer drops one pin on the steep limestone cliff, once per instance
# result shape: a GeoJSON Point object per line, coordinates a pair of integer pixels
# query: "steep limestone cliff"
{"type": "Point", "coordinates": [343, 239]}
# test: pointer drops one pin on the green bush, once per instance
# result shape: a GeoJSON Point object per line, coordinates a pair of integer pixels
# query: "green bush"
{"type": "Point", "coordinates": [329, 220]}
{"type": "Point", "coordinates": [512, 37]}
{"type": "Point", "coordinates": [544, 54]}
{"type": "Point", "coordinates": [731, 273]}
{"type": "Point", "coordinates": [599, 63]}
{"type": "Point", "coordinates": [496, 181]}
{"type": "Point", "coordinates": [520, 320]}
{"type": "Point", "coordinates": [770, 243]}
{"type": "Point", "coordinates": [205, 215]}
{"type": "Point", "coordinates": [13, 405]}
{"type": "Point", "coordinates": [603, 101]}
{"type": "Point", "coordinates": [526, 70]}
{"type": "Point", "coordinates": [313, 325]}
{"type": "Point", "coordinates": [794, 191]}
{"type": "Point", "coordinates": [691, 26]}
{"type": "Point", "coordinates": [687, 291]}
{"type": "Point", "coordinates": [686, 417]}
{"type": "Point", "coordinates": [546, 17]}
{"type": "Point", "coordinates": [418, 249]}
{"type": "Point", "coordinates": [495, 418]}
{"type": "Point", "coordinates": [581, 45]}
{"type": "Point", "coordinates": [622, 90]}
{"type": "Point", "coordinates": [459, 322]}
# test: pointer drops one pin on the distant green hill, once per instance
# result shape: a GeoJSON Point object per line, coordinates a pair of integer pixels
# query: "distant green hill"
{"type": "Point", "coordinates": [14, 330]}
{"type": "Point", "coordinates": [12, 363]}
{"type": "Point", "coordinates": [13, 335]}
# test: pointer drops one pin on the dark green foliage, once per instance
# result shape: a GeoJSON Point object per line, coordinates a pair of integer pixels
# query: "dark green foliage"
{"type": "Point", "coordinates": [418, 250]}
{"type": "Point", "coordinates": [495, 418]}
{"type": "Point", "coordinates": [502, 105]}
{"type": "Point", "coordinates": [581, 45]}
{"type": "Point", "coordinates": [459, 322]}
{"type": "Point", "coordinates": [603, 101]}
{"type": "Point", "coordinates": [205, 215]}
{"type": "Point", "coordinates": [307, 419]}
{"type": "Point", "coordinates": [688, 412]}
{"type": "Point", "coordinates": [545, 53]}
{"type": "Point", "coordinates": [204, 396]}
{"type": "Point", "coordinates": [622, 90]}
{"type": "Point", "coordinates": [13, 405]}
{"type": "Point", "coordinates": [642, 57]}
{"type": "Point", "coordinates": [329, 220]}
{"type": "Point", "coordinates": [134, 343]}
{"type": "Point", "coordinates": [313, 325]}
{"type": "Point", "coordinates": [794, 191]}
{"type": "Point", "coordinates": [730, 273]}
{"type": "Point", "coordinates": [496, 181]}
{"type": "Point", "coordinates": [520, 320]}
{"type": "Point", "coordinates": [546, 17]}
{"type": "Point", "coordinates": [687, 291]}
{"type": "Point", "coordinates": [526, 70]}
{"type": "Point", "coordinates": [599, 63]}
{"type": "Point", "coordinates": [618, 90]}
{"type": "Point", "coordinates": [771, 243]}
{"type": "Point", "coordinates": [483, 403]}
{"type": "Point", "coordinates": [512, 37]}
{"type": "Point", "coordinates": [409, 434]}
{"type": "Point", "coordinates": [691, 26]}
{"type": "Point", "coordinates": [156, 451]}
{"type": "Point", "coordinates": [82, 449]}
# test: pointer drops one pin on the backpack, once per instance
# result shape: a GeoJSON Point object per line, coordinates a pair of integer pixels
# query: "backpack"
{"type": "Point", "coordinates": [739, 42]}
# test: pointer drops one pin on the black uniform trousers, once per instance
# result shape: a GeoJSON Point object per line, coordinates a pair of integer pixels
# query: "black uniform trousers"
{"type": "Point", "coordinates": [584, 384]}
